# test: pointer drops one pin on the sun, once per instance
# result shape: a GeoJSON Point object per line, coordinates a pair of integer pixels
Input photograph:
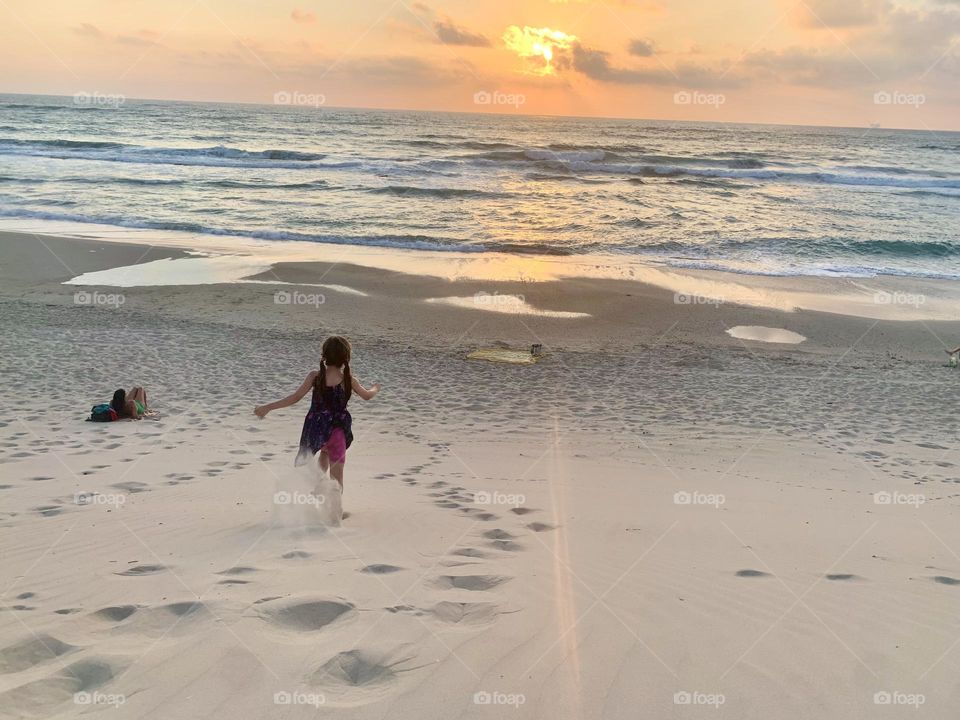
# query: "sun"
{"type": "Point", "coordinates": [539, 44]}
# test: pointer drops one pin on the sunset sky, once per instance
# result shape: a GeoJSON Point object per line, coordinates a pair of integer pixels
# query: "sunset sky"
{"type": "Point", "coordinates": [835, 62]}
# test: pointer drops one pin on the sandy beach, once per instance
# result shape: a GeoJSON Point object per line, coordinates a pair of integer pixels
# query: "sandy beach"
{"type": "Point", "coordinates": [658, 519]}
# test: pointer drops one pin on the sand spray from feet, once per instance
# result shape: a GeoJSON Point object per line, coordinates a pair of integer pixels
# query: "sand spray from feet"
{"type": "Point", "coordinates": [306, 497]}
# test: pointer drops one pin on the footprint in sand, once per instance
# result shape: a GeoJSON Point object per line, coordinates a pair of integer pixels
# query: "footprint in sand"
{"type": "Point", "coordinates": [238, 570]}
{"type": "Point", "coordinates": [945, 580]}
{"type": "Point", "coordinates": [498, 534]}
{"type": "Point", "coordinates": [137, 570]}
{"type": "Point", "coordinates": [67, 611]}
{"type": "Point", "coordinates": [115, 613]}
{"type": "Point", "coordinates": [465, 614]}
{"type": "Point", "coordinates": [131, 486]}
{"type": "Point", "coordinates": [296, 555]}
{"type": "Point", "coordinates": [357, 676]}
{"type": "Point", "coordinates": [475, 583]}
{"type": "Point", "coordinates": [32, 651]}
{"type": "Point", "coordinates": [541, 527]}
{"type": "Point", "coordinates": [506, 545]}
{"type": "Point", "coordinates": [470, 552]}
{"type": "Point", "coordinates": [380, 569]}
{"type": "Point", "coordinates": [39, 697]}
{"type": "Point", "coordinates": [307, 615]}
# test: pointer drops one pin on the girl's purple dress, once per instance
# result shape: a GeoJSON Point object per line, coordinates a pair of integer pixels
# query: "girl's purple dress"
{"type": "Point", "coordinates": [326, 414]}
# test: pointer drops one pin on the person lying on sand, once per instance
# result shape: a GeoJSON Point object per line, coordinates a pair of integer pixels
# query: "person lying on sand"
{"type": "Point", "coordinates": [327, 426]}
{"type": "Point", "coordinates": [132, 405]}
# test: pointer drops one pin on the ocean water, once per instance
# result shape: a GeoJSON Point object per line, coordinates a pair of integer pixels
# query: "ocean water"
{"type": "Point", "coordinates": [747, 198]}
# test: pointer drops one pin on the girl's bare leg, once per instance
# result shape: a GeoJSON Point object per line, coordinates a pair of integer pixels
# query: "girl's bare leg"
{"type": "Point", "coordinates": [336, 472]}
{"type": "Point", "coordinates": [323, 461]}
{"type": "Point", "coordinates": [138, 393]}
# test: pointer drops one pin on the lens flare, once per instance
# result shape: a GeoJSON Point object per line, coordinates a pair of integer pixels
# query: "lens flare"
{"type": "Point", "coordinates": [539, 44]}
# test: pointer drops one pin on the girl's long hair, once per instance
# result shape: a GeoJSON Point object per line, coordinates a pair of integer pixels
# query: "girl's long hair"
{"type": "Point", "coordinates": [119, 402]}
{"type": "Point", "coordinates": [335, 352]}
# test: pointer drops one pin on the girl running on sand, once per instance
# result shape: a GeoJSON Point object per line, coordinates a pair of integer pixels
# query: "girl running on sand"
{"type": "Point", "coordinates": [327, 427]}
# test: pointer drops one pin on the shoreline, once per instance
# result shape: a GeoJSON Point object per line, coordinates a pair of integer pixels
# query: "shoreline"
{"type": "Point", "coordinates": [575, 314]}
{"type": "Point", "coordinates": [235, 260]}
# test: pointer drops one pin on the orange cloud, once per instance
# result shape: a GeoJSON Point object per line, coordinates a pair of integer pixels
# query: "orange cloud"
{"type": "Point", "coordinates": [539, 44]}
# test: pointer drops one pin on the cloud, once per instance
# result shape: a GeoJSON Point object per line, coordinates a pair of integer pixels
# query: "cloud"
{"type": "Point", "coordinates": [915, 33]}
{"type": "Point", "coordinates": [453, 35]}
{"type": "Point", "coordinates": [141, 38]}
{"type": "Point", "coordinates": [539, 44]}
{"type": "Point", "coordinates": [805, 66]}
{"type": "Point", "coordinates": [303, 16]}
{"type": "Point", "coordinates": [596, 65]}
{"type": "Point", "coordinates": [641, 47]}
{"type": "Point", "coordinates": [395, 70]}
{"type": "Point", "coordinates": [88, 30]}
{"type": "Point", "coordinates": [840, 13]}
{"type": "Point", "coordinates": [902, 46]}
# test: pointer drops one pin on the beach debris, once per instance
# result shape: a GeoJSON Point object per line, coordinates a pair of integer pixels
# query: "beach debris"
{"type": "Point", "coordinates": [760, 333]}
{"type": "Point", "coordinates": [502, 355]}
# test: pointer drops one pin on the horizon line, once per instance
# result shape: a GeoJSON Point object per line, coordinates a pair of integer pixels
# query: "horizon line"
{"type": "Point", "coordinates": [497, 114]}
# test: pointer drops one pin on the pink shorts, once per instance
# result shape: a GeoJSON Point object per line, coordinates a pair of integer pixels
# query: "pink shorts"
{"type": "Point", "coordinates": [336, 447]}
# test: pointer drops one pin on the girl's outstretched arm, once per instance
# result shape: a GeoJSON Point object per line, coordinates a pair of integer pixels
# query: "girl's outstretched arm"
{"type": "Point", "coordinates": [362, 391]}
{"type": "Point", "coordinates": [261, 410]}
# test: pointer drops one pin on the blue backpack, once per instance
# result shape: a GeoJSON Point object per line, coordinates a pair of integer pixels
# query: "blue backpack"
{"type": "Point", "coordinates": [102, 413]}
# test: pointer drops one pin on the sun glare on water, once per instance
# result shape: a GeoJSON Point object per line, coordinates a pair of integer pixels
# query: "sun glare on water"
{"type": "Point", "coordinates": [539, 44]}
